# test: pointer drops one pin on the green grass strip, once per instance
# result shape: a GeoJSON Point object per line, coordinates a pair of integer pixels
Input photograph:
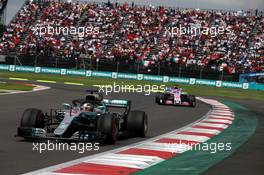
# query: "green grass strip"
{"type": "Point", "coordinates": [14, 86]}
{"type": "Point", "coordinates": [198, 161]}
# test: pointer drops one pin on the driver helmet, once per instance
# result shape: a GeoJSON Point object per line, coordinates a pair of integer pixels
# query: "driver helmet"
{"type": "Point", "coordinates": [87, 107]}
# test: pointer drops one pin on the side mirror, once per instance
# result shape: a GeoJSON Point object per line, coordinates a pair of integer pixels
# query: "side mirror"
{"type": "Point", "coordinates": [66, 106]}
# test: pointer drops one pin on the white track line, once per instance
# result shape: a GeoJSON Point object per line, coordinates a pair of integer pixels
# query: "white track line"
{"type": "Point", "coordinates": [201, 130]}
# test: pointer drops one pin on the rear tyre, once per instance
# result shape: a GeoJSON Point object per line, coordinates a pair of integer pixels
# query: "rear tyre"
{"type": "Point", "coordinates": [137, 123]}
{"type": "Point", "coordinates": [107, 125]}
{"type": "Point", "coordinates": [33, 118]}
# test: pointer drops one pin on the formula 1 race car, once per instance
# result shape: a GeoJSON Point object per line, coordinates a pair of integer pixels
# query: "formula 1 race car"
{"type": "Point", "coordinates": [86, 119]}
{"type": "Point", "coordinates": [175, 96]}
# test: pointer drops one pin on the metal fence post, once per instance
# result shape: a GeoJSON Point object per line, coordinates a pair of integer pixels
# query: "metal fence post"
{"type": "Point", "coordinates": [179, 70]}
{"type": "Point", "coordinates": [117, 66]}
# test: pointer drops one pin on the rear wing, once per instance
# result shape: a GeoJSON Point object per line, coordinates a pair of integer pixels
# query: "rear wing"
{"type": "Point", "coordinates": [117, 103]}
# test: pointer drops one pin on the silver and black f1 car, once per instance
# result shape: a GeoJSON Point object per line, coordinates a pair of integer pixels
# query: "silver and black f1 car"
{"type": "Point", "coordinates": [175, 96]}
{"type": "Point", "coordinates": [86, 119]}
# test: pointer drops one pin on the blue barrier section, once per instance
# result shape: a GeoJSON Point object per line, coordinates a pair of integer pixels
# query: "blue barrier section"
{"type": "Point", "coordinates": [4, 67]}
{"type": "Point", "coordinates": [139, 77]}
{"type": "Point", "coordinates": [127, 76]}
{"type": "Point", "coordinates": [243, 76]}
{"type": "Point", "coordinates": [256, 86]}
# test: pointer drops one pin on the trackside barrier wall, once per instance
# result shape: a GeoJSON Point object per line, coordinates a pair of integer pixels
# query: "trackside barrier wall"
{"type": "Point", "coordinates": [242, 76]}
{"type": "Point", "coordinates": [115, 75]}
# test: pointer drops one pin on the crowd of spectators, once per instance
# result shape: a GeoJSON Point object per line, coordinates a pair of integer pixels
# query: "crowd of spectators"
{"type": "Point", "coordinates": [178, 46]}
{"type": "Point", "coordinates": [55, 15]}
{"type": "Point", "coordinates": [140, 34]}
{"type": "Point", "coordinates": [230, 50]}
{"type": "Point", "coordinates": [17, 27]}
{"type": "Point", "coordinates": [256, 50]}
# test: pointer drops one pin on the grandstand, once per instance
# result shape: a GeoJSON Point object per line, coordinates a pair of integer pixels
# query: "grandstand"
{"type": "Point", "coordinates": [3, 4]}
{"type": "Point", "coordinates": [137, 39]}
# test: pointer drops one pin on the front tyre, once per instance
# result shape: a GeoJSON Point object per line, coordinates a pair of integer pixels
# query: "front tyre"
{"type": "Point", "coordinates": [159, 98]}
{"type": "Point", "coordinates": [192, 100]}
{"type": "Point", "coordinates": [107, 125]}
{"type": "Point", "coordinates": [32, 118]}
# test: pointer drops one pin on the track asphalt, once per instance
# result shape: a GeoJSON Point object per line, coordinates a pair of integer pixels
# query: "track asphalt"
{"type": "Point", "coordinates": [17, 156]}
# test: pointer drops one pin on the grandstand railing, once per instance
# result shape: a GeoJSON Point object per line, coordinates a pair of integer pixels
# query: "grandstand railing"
{"type": "Point", "coordinates": [122, 65]}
